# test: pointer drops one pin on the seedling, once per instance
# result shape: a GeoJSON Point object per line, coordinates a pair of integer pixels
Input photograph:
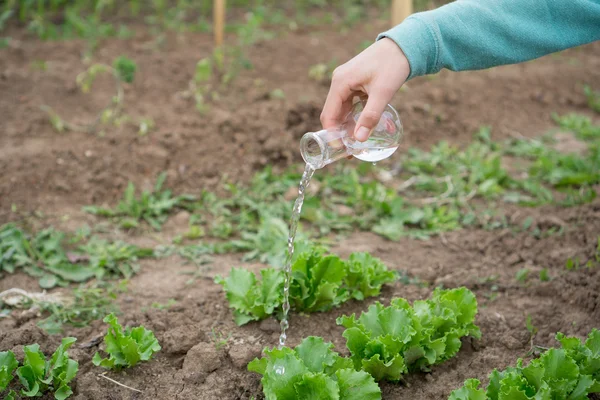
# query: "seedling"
{"type": "Point", "coordinates": [126, 348]}
{"type": "Point", "coordinates": [522, 275]}
{"type": "Point", "coordinates": [574, 263]}
{"type": "Point", "coordinates": [162, 307]}
{"type": "Point", "coordinates": [39, 376]}
{"type": "Point", "coordinates": [219, 339]}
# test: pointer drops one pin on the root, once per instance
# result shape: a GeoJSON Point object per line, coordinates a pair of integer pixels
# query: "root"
{"type": "Point", "coordinates": [103, 375]}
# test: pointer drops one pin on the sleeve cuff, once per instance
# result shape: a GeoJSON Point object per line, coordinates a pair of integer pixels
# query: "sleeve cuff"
{"type": "Point", "coordinates": [419, 44]}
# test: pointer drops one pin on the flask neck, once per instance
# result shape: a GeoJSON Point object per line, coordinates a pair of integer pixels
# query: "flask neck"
{"type": "Point", "coordinates": [324, 147]}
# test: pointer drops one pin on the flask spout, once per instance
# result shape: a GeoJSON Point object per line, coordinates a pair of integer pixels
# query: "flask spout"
{"type": "Point", "coordinates": [321, 148]}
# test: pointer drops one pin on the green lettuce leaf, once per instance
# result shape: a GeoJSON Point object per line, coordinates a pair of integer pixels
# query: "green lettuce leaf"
{"type": "Point", "coordinates": [8, 363]}
{"type": "Point", "coordinates": [571, 372]}
{"type": "Point", "coordinates": [389, 341]}
{"type": "Point", "coordinates": [126, 348]}
{"type": "Point", "coordinates": [469, 391]}
{"type": "Point", "coordinates": [252, 300]}
{"type": "Point", "coordinates": [365, 275]}
{"type": "Point", "coordinates": [312, 371]}
{"type": "Point", "coordinates": [38, 375]}
{"type": "Point", "coordinates": [319, 283]}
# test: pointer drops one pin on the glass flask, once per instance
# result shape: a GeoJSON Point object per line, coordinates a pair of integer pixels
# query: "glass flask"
{"type": "Point", "coordinates": [321, 148]}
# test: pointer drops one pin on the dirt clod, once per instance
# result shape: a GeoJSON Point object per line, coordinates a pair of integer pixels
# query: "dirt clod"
{"type": "Point", "coordinates": [241, 355]}
{"type": "Point", "coordinates": [203, 357]}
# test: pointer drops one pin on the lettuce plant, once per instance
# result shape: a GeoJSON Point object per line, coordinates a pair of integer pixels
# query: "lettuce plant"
{"type": "Point", "coordinates": [319, 283]}
{"type": "Point", "coordinates": [126, 348]}
{"type": "Point", "coordinates": [39, 375]}
{"type": "Point", "coordinates": [390, 341]}
{"type": "Point", "coordinates": [312, 371]}
{"type": "Point", "coordinates": [571, 372]}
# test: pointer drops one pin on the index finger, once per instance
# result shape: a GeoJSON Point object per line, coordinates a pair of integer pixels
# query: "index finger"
{"type": "Point", "coordinates": [338, 98]}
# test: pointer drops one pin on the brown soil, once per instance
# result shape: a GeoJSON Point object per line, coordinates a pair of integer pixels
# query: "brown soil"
{"type": "Point", "coordinates": [245, 130]}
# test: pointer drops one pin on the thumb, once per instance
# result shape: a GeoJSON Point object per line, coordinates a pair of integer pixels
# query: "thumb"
{"type": "Point", "coordinates": [369, 117]}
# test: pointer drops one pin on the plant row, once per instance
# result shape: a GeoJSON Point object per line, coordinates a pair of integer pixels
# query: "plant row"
{"type": "Point", "coordinates": [570, 372]}
{"type": "Point", "coordinates": [38, 375]}
{"type": "Point", "coordinates": [319, 283]}
{"type": "Point", "coordinates": [385, 343]}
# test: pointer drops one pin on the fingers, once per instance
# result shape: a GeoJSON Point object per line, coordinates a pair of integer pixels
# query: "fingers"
{"type": "Point", "coordinates": [336, 106]}
{"type": "Point", "coordinates": [369, 117]}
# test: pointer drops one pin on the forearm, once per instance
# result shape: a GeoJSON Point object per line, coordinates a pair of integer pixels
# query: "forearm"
{"type": "Point", "coordinates": [477, 34]}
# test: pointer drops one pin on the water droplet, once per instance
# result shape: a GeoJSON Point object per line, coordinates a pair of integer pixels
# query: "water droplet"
{"type": "Point", "coordinates": [280, 370]}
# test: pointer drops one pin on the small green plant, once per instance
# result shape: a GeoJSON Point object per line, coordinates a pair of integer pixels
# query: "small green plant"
{"type": "Point", "coordinates": [593, 98]}
{"type": "Point", "coordinates": [574, 263]}
{"type": "Point", "coordinates": [569, 372]}
{"type": "Point", "coordinates": [126, 348]}
{"type": "Point", "coordinates": [42, 256]}
{"type": "Point", "coordinates": [8, 364]}
{"type": "Point", "coordinates": [319, 283]}
{"type": "Point", "coordinates": [125, 68]}
{"type": "Point", "coordinates": [388, 342]}
{"type": "Point", "coordinates": [581, 125]}
{"type": "Point", "coordinates": [114, 259]}
{"type": "Point", "coordinates": [268, 244]}
{"type": "Point", "coordinates": [46, 256]}
{"type": "Point", "coordinates": [164, 306]}
{"type": "Point", "coordinates": [152, 207]}
{"type": "Point", "coordinates": [544, 275]}
{"type": "Point", "coordinates": [252, 300]}
{"type": "Point", "coordinates": [312, 370]}
{"type": "Point", "coordinates": [80, 307]}
{"type": "Point", "coordinates": [219, 338]}
{"type": "Point", "coordinates": [522, 275]}
{"type": "Point", "coordinates": [40, 376]}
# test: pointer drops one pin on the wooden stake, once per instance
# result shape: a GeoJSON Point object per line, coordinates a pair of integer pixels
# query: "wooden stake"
{"type": "Point", "coordinates": [400, 10]}
{"type": "Point", "coordinates": [219, 21]}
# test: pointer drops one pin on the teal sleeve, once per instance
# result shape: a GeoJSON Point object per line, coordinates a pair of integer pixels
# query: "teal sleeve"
{"type": "Point", "coordinates": [478, 34]}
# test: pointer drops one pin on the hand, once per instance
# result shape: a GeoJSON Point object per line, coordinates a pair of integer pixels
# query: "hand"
{"type": "Point", "coordinates": [378, 72]}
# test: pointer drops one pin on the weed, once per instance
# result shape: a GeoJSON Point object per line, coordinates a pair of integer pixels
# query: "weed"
{"type": "Point", "coordinates": [151, 206]}
{"type": "Point", "coordinates": [82, 306]}
{"type": "Point", "coordinates": [114, 259]}
{"type": "Point", "coordinates": [544, 275]}
{"type": "Point", "coordinates": [522, 275]}
{"type": "Point", "coordinates": [593, 98]}
{"type": "Point", "coordinates": [160, 306]}
{"type": "Point", "coordinates": [45, 256]}
{"type": "Point", "coordinates": [219, 339]}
